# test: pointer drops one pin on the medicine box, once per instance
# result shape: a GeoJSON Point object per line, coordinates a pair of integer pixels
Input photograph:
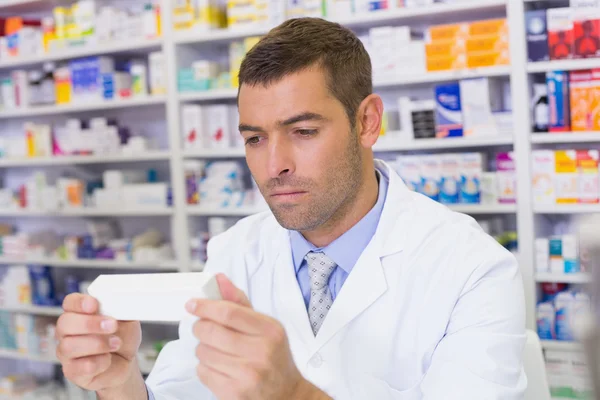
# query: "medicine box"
{"type": "Point", "coordinates": [489, 27]}
{"type": "Point", "coordinates": [566, 177]}
{"type": "Point", "coordinates": [488, 59]}
{"type": "Point", "coordinates": [595, 103]}
{"type": "Point", "coordinates": [580, 89]}
{"type": "Point", "coordinates": [558, 101]}
{"type": "Point", "coordinates": [542, 255]}
{"type": "Point", "coordinates": [560, 33]}
{"type": "Point", "coordinates": [586, 27]}
{"type": "Point", "coordinates": [480, 99]}
{"type": "Point", "coordinates": [489, 188]}
{"type": "Point", "coordinates": [448, 113]}
{"type": "Point", "coordinates": [450, 178]}
{"type": "Point", "coordinates": [409, 170]}
{"type": "Point", "coordinates": [589, 184]}
{"type": "Point", "coordinates": [507, 177]}
{"type": "Point", "coordinates": [537, 35]}
{"type": "Point", "coordinates": [193, 127]}
{"type": "Point", "coordinates": [471, 169]}
{"type": "Point", "coordinates": [448, 32]}
{"type": "Point", "coordinates": [543, 173]}
{"type": "Point", "coordinates": [145, 195]}
{"type": "Point", "coordinates": [218, 130]}
{"type": "Point", "coordinates": [557, 263]}
{"type": "Point", "coordinates": [446, 63]}
{"type": "Point", "coordinates": [491, 43]}
{"type": "Point", "coordinates": [445, 48]}
{"type": "Point", "coordinates": [431, 176]}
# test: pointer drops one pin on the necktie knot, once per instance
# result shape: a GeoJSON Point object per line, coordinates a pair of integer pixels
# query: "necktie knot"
{"type": "Point", "coordinates": [320, 268]}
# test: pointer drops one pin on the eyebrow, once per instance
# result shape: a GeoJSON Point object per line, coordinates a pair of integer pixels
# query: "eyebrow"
{"type": "Point", "coordinates": [307, 116]}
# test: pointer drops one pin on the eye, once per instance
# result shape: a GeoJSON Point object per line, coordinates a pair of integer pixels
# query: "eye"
{"type": "Point", "coordinates": [306, 132]}
{"type": "Point", "coordinates": [253, 140]}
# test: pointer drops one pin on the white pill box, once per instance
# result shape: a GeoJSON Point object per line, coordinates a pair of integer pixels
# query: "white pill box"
{"type": "Point", "coordinates": [151, 297]}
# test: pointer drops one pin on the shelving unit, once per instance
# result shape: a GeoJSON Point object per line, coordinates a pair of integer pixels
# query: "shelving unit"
{"type": "Point", "coordinates": [561, 345]}
{"type": "Point", "coordinates": [391, 145]}
{"type": "Point", "coordinates": [153, 155]}
{"type": "Point", "coordinates": [566, 138]}
{"type": "Point", "coordinates": [221, 212]}
{"type": "Point", "coordinates": [567, 209]}
{"type": "Point", "coordinates": [36, 310]}
{"type": "Point", "coordinates": [90, 212]}
{"type": "Point", "coordinates": [477, 209]}
{"type": "Point", "coordinates": [578, 278]}
{"type": "Point", "coordinates": [563, 65]}
{"type": "Point", "coordinates": [94, 264]}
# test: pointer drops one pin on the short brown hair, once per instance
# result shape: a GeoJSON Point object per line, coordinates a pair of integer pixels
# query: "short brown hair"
{"type": "Point", "coordinates": [300, 43]}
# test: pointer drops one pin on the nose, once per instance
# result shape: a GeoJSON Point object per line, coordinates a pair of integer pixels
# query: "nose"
{"type": "Point", "coordinates": [280, 158]}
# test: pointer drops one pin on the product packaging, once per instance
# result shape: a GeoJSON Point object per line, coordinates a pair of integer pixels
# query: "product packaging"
{"type": "Point", "coordinates": [560, 33]}
{"type": "Point", "coordinates": [566, 177]}
{"type": "Point", "coordinates": [558, 100]}
{"type": "Point", "coordinates": [507, 177]}
{"type": "Point", "coordinates": [449, 118]}
{"type": "Point", "coordinates": [537, 35]}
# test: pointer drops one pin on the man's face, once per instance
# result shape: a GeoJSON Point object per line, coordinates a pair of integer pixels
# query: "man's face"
{"type": "Point", "coordinates": [300, 149]}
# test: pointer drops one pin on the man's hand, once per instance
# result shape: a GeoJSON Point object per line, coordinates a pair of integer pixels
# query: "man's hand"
{"type": "Point", "coordinates": [98, 353]}
{"type": "Point", "coordinates": [244, 354]}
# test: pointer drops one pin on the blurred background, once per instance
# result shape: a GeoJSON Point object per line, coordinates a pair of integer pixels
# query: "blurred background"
{"type": "Point", "coordinates": [119, 148]}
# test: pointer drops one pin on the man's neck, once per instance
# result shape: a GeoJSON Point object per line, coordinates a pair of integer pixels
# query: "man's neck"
{"type": "Point", "coordinates": [348, 216]}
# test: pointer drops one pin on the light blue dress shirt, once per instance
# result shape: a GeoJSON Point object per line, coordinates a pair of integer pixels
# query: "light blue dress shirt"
{"type": "Point", "coordinates": [344, 251]}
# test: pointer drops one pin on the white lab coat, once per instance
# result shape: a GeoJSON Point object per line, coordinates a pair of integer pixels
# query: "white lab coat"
{"type": "Point", "coordinates": [433, 309]}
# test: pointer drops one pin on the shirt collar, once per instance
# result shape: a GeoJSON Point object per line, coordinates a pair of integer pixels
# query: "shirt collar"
{"type": "Point", "coordinates": [346, 249]}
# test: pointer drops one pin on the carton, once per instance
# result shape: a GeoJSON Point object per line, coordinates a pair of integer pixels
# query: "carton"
{"type": "Point", "coordinates": [450, 178]}
{"type": "Point", "coordinates": [490, 43]}
{"type": "Point", "coordinates": [580, 83]}
{"type": "Point", "coordinates": [560, 33]}
{"type": "Point", "coordinates": [537, 35]}
{"type": "Point", "coordinates": [410, 172]}
{"type": "Point", "coordinates": [589, 184]}
{"type": "Point", "coordinates": [480, 98]}
{"type": "Point", "coordinates": [446, 63]}
{"type": "Point", "coordinates": [542, 170]}
{"type": "Point", "coordinates": [595, 102]}
{"type": "Point", "coordinates": [471, 169]}
{"type": "Point", "coordinates": [558, 101]}
{"type": "Point", "coordinates": [488, 59]}
{"type": "Point", "coordinates": [448, 32]}
{"type": "Point", "coordinates": [586, 27]}
{"type": "Point", "coordinates": [489, 27]}
{"type": "Point", "coordinates": [445, 48]}
{"type": "Point", "coordinates": [506, 176]}
{"type": "Point", "coordinates": [449, 119]}
{"type": "Point", "coordinates": [431, 176]}
{"type": "Point", "coordinates": [567, 177]}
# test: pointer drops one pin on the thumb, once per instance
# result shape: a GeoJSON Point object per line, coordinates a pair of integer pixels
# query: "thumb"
{"type": "Point", "coordinates": [231, 293]}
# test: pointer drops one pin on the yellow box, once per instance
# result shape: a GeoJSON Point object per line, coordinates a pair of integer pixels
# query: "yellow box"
{"type": "Point", "coordinates": [445, 48]}
{"type": "Point", "coordinates": [445, 63]}
{"type": "Point", "coordinates": [567, 177]}
{"type": "Point", "coordinates": [183, 16]}
{"type": "Point", "coordinates": [448, 32]}
{"type": "Point", "coordinates": [489, 27]}
{"type": "Point", "coordinates": [488, 59]}
{"type": "Point", "coordinates": [487, 43]}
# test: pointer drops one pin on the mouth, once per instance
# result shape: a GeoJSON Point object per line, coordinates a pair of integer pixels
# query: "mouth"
{"type": "Point", "coordinates": [288, 195]}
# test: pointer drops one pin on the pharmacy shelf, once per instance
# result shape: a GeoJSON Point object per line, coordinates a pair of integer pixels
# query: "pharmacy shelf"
{"type": "Point", "coordinates": [93, 264]}
{"type": "Point", "coordinates": [151, 155]}
{"type": "Point", "coordinates": [77, 108]}
{"type": "Point", "coordinates": [388, 145]}
{"type": "Point", "coordinates": [567, 209]}
{"type": "Point", "coordinates": [122, 46]}
{"type": "Point", "coordinates": [566, 137]}
{"type": "Point", "coordinates": [215, 153]}
{"type": "Point", "coordinates": [561, 345]}
{"type": "Point", "coordinates": [563, 65]}
{"type": "Point", "coordinates": [208, 95]}
{"type": "Point", "coordinates": [36, 310]}
{"type": "Point", "coordinates": [90, 212]}
{"type": "Point", "coordinates": [443, 76]}
{"type": "Point", "coordinates": [222, 212]}
{"type": "Point", "coordinates": [563, 278]}
{"type": "Point", "coordinates": [14, 354]}
{"type": "Point", "coordinates": [478, 209]}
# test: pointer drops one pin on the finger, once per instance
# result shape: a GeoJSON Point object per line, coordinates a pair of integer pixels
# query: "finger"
{"type": "Point", "coordinates": [72, 347]}
{"type": "Point", "coordinates": [222, 338]}
{"type": "Point", "coordinates": [227, 364]}
{"type": "Point", "coordinates": [86, 368]}
{"type": "Point", "coordinates": [215, 381]}
{"type": "Point", "coordinates": [230, 292]}
{"type": "Point", "coordinates": [80, 303]}
{"type": "Point", "coordinates": [71, 324]}
{"type": "Point", "coordinates": [228, 314]}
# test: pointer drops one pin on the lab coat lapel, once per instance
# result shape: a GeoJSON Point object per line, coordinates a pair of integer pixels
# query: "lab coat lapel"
{"type": "Point", "coordinates": [367, 282]}
{"type": "Point", "coordinates": [290, 302]}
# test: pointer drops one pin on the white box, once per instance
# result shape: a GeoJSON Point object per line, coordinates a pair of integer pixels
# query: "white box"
{"type": "Point", "coordinates": [151, 195]}
{"type": "Point", "coordinates": [431, 175]}
{"type": "Point", "coordinates": [489, 188]}
{"type": "Point", "coordinates": [542, 255]}
{"type": "Point", "coordinates": [151, 297]}
{"type": "Point", "coordinates": [570, 253]}
{"type": "Point", "coordinates": [205, 70]}
{"type": "Point", "coordinates": [408, 167]}
{"type": "Point", "coordinates": [158, 73]}
{"type": "Point", "coordinates": [193, 127]}
{"type": "Point", "coordinates": [542, 176]}
{"type": "Point", "coordinates": [472, 167]}
{"type": "Point", "coordinates": [218, 129]}
{"type": "Point", "coordinates": [479, 99]}
{"type": "Point", "coordinates": [450, 181]}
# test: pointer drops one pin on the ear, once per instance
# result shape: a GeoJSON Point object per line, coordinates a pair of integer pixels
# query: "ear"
{"type": "Point", "coordinates": [369, 118]}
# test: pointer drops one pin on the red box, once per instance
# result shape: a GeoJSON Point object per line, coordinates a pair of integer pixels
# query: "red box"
{"type": "Point", "coordinates": [587, 33]}
{"type": "Point", "coordinates": [560, 33]}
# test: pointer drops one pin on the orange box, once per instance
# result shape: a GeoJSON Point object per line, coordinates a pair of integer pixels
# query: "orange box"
{"type": "Point", "coordinates": [595, 103]}
{"type": "Point", "coordinates": [487, 43]}
{"type": "Point", "coordinates": [446, 63]}
{"type": "Point", "coordinates": [445, 48]}
{"type": "Point", "coordinates": [580, 84]}
{"type": "Point", "coordinates": [488, 59]}
{"type": "Point", "coordinates": [448, 32]}
{"type": "Point", "coordinates": [489, 27]}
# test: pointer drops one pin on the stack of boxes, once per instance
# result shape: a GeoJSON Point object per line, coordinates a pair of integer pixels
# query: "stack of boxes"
{"type": "Point", "coordinates": [565, 176]}
{"type": "Point", "coordinates": [564, 33]}
{"type": "Point", "coordinates": [560, 254]}
{"type": "Point", "coordinates": [210, 127]}
{"type": "Point", "coordinates": [467, 45]}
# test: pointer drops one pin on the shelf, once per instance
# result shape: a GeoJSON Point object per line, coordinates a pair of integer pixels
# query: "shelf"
{"type": "Point", "coordinates": [561, 345]}
{"type": "Point", "coordinates": [563, 278]}
{"type": "Point", "coordinates": [444, 76]}
{"type": "Point", "coordinates": [208, 95]}
{"type": "Point", "coordinates": [123, 46]}
{"type": "Point", "coordinates": [448, 143]}
{"type": "Point", "coordinates": [37, 310]}
{"type": "Point", "coordinates": [151, 155]}
{"type": "Point", "coordinates": [222, 212]}
{"type": "Point", "coordinates": [94, 264]}
{"type": "Point", "coordinates": [563, 65]}
{"type": "Point", "coordinates": [566, 137]}
{"type": "Point", "coordinates": [89, 212]}
{"type": "Point", "coordinates": [474, 209]}
{"type": "Point", "coordinates": [567, 209]}
{"type": "Point", "coordinates": [15, 355]}
{"type": "Point", "coordinates": [194, 36]}
{"type": "Point", "coordinates": [215, 153]}
{"type": "Point", "coordinates": [76, 108]}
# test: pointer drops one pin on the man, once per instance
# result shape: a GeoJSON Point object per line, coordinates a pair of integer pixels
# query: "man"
{"type": "Point", "coordinates": [353, 287]}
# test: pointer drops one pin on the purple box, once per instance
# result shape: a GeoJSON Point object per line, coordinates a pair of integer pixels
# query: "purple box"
{"type": "Point", "coordinates": [506, 178]}
{"type": "Point", "coordinates": [537, 35]}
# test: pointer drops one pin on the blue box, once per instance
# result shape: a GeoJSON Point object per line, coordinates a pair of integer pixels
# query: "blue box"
{"type": "Point", "coordinates": [537, 35]}
{"type": "Point", "coordinates": [448, 111]}
{"type": "Point", "coordinates": [558, 101]}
